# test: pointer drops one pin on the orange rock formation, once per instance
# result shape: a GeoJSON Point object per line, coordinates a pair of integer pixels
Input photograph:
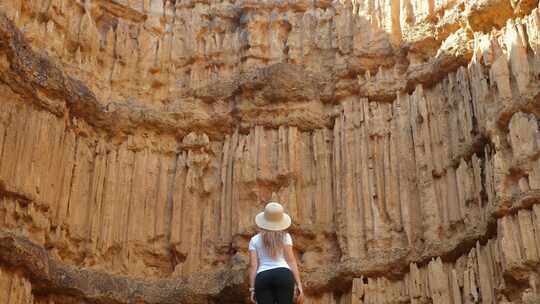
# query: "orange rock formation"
{"type": "Point", "coordinates": [139, 137]}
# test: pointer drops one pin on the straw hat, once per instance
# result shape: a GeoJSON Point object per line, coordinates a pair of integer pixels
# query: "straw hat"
{"type": "Point", "coordinates": [273, 218]}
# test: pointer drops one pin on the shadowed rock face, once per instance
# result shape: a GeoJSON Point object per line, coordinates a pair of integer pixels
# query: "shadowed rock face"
{"type": "Point", "coordinates": [139, 138]}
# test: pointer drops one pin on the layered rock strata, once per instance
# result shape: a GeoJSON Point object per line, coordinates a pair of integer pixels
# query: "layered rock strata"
{"type": "Point", "coordinates": [138, 139]}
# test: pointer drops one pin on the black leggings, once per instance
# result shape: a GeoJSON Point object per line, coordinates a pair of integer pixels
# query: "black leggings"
{"type": "Point", "coordinates": [274, 286]}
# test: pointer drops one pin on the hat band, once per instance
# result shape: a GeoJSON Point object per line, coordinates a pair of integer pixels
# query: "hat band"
{"type": "Point", "coordinates": [273, 216]}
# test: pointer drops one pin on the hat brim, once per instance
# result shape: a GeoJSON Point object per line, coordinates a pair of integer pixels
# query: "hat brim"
{"type": "Point", "coordinates": [273, 226]}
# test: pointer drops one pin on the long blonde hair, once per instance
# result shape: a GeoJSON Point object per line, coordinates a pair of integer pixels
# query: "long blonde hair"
{"type": "Point", "coordinates": [273, 242]}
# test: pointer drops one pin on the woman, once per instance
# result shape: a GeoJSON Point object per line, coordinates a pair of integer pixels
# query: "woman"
{"type": "Point", "coordinates": [273, 270]}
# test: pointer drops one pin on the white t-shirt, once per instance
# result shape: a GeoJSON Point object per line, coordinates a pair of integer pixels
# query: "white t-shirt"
{"type": "Point", "coordinates": [266, 262]}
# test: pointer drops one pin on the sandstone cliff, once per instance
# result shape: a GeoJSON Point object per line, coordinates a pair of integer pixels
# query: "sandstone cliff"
{"type": "Point", "coordinates": [139, 137]}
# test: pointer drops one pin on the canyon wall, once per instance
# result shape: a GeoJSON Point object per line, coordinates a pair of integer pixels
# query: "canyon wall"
{"type": "Point", "coordinates": [138, 138]}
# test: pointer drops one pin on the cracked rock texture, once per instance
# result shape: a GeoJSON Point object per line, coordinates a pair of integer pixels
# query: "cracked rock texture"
{"type": "Point", "coordinates": [139, 137]}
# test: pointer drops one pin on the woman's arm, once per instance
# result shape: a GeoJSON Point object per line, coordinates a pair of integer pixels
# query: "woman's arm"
{"type": "Point", "coordinates": [291, 260]}
{"type": "Point", "coordinates": [252, 270]}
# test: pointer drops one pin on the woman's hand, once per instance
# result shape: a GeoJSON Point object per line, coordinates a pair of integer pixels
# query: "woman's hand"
{"type": "Point", "coordinates": [299, 295]}
{"type": "Point", "coordinates": [252, 297]}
